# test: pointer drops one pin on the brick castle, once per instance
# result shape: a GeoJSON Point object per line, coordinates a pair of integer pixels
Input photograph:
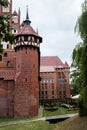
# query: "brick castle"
{"type": "Point", "coordinates": [23, 82]}
{"type": "Point", "coordinates": [19, 71]}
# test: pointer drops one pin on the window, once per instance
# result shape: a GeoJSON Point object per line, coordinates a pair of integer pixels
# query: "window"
{"type": "Point", "coordinates": [42, 92]}
{"type": "Point", "coordinates": [6, 9]}
{"type": "Point", "coordinates": [46, 92]}
{"type": "Point", "coordinates": [52, 92]}
{"type": "Point", "coordinates": [64, 94]}
{"type": "Point", "coordinates": [61, 80]}
{"type": "Point", "coordinates": [14, 29]}
{"type": "Point", "coordinates": [0, 57]}
{"type": "Point", "coordinates": [5, 54]}
{"type": "Point", "coordinates": [52, 87]}
{"type": "Point", "coordinates": [7, 46]}
{"type": "Point", "coordinates": [15, 19]}
{"type": "Point", "coordinates": [8, 63]}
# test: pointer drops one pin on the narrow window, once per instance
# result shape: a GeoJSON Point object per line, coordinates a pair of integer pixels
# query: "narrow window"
{"type": "Point", "coordinates": [8, 63]}
{"type": "Point", "coordinates": [7, 46]}
{"type": "Point", "coordinates": [0, 57]}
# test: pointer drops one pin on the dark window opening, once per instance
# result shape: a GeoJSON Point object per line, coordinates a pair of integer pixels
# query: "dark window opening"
{"type": "Point", "coordinates": [5, 54]}
{"type": "Point", "coordinates": [52, 92]}
{"type": "Point", "coordinates": [26, 79]}
{"type": "Point", "coordinates": [14, 30]}
{"type": "Point", "coordinates": [7, 46]}
{"type": "Point", "coordinates": [8, 63]}
{"type": "Point", "coordinates": [0, 57]}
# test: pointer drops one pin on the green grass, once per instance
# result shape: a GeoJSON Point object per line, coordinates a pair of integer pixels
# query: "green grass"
{"type": "Point", "coordinates": [39, 125]}
{"type": "Point", "coordinates": [74, 123]}
{"type": "Point", "coordinates": [36, 125]}
{"type": "Point", "coordinates": [3, 119]}
{"type": "Point", "coordinates": [59, 111]}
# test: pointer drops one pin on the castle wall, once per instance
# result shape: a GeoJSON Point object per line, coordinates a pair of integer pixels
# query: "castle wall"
{"type": "Point", "coordinates": [26, 95]}
{"type": "Point", "coordinates": [6, 98]}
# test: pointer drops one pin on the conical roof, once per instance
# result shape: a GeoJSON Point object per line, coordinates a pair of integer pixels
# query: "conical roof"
{"type": "Point", "coordinates": [26, 28]}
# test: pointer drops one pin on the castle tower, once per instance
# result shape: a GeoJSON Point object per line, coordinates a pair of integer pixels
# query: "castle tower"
{"type": "Point", "coordinates": [26, 92]}
{"type": "Point", "coordinates": [15, 24]}
{"type": "Point", "coordinates": [14, 21]}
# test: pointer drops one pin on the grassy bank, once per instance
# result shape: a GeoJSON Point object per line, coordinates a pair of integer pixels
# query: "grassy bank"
{"type": "Point", "coordinates": [43, 125]}
{"type": "Point", "coordinates": [59, 111]}
{"type": "Point", "coordinates": [75, 123]}
{"type": "Point", "coordinates": [39, 125]}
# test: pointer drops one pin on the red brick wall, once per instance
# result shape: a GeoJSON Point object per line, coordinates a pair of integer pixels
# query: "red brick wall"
{"type": "Point", "coordinates": [3, 98]}
{"type": "Point", "coordinates": [6, 98]}
{"type": "Point", "coordinates": [26, 94]}
{"type": "Point", "coordinates": [10, 97]}
{"type": "Point", "coordinates": [48, 86]}
{"type": "Point", "coordinates": [57, 89]}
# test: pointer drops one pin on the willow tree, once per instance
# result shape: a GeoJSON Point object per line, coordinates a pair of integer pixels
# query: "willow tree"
{"type": "Point", "coordinates": [80, 60]}
{"type": "Point", "coordinates": [5, 34]}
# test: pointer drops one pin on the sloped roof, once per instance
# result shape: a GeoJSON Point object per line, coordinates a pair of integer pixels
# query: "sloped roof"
{"type": "Point", "coordinates": [51, 61]}
{"type": "Point", "coordinates": [26, 29]}
{"type": "Point", "coordinates": [7, 74]}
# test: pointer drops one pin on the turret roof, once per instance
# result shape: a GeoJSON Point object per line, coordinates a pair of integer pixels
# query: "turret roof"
{"type": "Point", "coordinates": [26, 27]}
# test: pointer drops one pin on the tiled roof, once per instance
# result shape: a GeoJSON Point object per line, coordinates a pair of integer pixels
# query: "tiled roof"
{"type": "Point", "coordinates": [7, 74]}
{"type": "Point", "coordinates": [26, 29]}
{"type": "Point", "coordinates": [51, 61]}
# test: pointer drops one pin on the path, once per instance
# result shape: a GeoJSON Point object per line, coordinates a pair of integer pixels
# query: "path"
{"type": "Point", "coordinates": [38, 119]}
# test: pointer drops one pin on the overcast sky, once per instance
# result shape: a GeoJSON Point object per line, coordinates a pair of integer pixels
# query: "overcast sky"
{"type": "Point", "coordinates": [55, 20]}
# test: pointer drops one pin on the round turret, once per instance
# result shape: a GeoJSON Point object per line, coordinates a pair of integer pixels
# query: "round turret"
{"type": "Point", "coordinates": [27, 36]}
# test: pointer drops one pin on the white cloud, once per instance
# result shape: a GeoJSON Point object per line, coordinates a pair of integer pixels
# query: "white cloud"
{"type": "Point", "coordinates": [55, 20]}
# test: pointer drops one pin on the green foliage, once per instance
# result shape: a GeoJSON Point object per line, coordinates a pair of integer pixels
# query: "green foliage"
{"type": "Point", "coordinates": [50, 104]}
{"type": "Point", "coordinates": [76, 74]}
{"type": "Point", "coordinates": [5, 34]}
{"type": "Point", "coordinates": [59, 111]}
{"type": "Point", "coordinates": [3, 3]}
{"type": "Point", "coordinates": [79, 75]}
{"type": "Point", "coordinates": [81, 26]}
{"type": "Point", "coordinates": [35, 125]}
